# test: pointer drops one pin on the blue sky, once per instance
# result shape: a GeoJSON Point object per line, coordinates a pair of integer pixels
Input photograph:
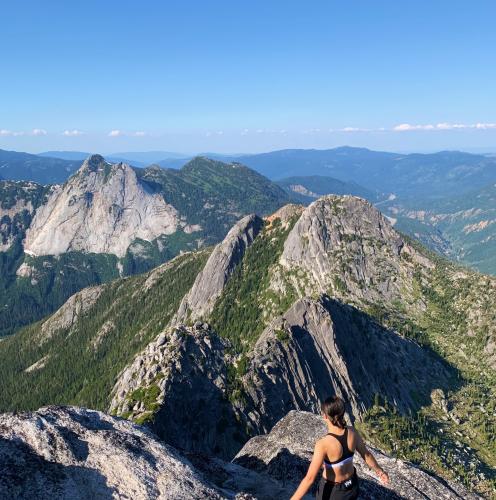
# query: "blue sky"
{"type": "Point", "coordinates": [247, 76]}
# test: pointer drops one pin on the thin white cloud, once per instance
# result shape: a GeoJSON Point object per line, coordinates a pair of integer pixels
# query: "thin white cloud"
{"type": "Point", "coordinates": [39, 132]}
{"type": "Point", "coordinates": [34, 132]}
{"type": "Point", "coordinates": [244, 131]}
{"type": "Point", "coordinates": [354, 129]}
{"type": "Point", "coordinates": [122, 133]}
{"type": "Point", "coordinates": [407, 127]}
{"type": "Point", "coordinates": [485, 126]}
{"type": "Point", "coordinates": [72, 133]}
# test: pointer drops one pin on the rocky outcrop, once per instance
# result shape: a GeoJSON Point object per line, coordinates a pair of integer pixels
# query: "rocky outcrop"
{"type": "Point", "coordinates": [70, 312]}
{"type": "Point", "coordinates": [285, 453]}
{"type": "Point", "coordinates": [219, 267]}
{"type": "Point", "coordinates": [346, 247]}
{"type": "Point", "coordinates": [324, 347]}
{"type": "Point", "coordinates": [179, 385]}
{"type": "Point", "coordinates": [73, 453]}
{"type": "Point", "coordinates": [103, 208]}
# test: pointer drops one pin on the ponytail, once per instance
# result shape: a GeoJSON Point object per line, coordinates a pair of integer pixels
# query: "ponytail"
{"type": "Point", "coordinates": [333, 408]}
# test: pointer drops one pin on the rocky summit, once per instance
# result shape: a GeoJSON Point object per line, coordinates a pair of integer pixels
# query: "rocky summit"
{"type": "Point", "coordinates": [111, 220]}
{"type": "Point", "coordinates": [79, 454]}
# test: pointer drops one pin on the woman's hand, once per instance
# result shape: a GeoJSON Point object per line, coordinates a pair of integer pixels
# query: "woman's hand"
{"type": "Point", "coordinates": [383, 476]}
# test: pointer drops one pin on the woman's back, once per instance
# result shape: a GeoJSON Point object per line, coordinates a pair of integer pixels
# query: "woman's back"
{"type": "Point", "coordinates": [339, 447]}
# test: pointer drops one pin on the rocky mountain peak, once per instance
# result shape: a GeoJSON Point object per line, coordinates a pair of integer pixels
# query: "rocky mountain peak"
{"type": "Point", "coordinates": [94, 163]}
{"type": "Point", "coordinates": [103, 208]}
{"type": "Point", "coordinates": [343, 246]}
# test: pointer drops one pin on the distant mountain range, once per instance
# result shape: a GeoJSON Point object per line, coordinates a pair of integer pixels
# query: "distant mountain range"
{"type": "Point", "coordinates": [16, 166]}
{"type": "Point", "coordinates": [426, 175]}
{"type": "Point", "coordinates": [402, 185]}
{"type": "Point", "coordinates": [467, 222]}
{"type": "Point", "coordinates": [137, 159]}
{"type": "Point", "coordinates": [309, 188]}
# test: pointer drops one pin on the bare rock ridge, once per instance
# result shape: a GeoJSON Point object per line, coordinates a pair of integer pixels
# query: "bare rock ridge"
{"type": "Point", "coordinates": [62, 453]}
{"type": "Point", "coordinates": [104, 196]}
{"type": "Point", "coordinates": [284, 454]}
{"type": "Point", "coordinates": [317, 348]}
{"type": "Point", "coordinates": [308, 353]}
{"type": "Point", "coordinates": [219, 267]}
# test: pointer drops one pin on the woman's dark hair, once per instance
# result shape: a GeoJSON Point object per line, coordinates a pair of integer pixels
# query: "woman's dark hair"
{"type": "Point", "coordinates": [333, 407]}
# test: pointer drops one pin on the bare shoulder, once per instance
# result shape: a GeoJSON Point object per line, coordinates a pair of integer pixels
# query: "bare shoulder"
{"type": "Point", "coordinates": [321, 442]}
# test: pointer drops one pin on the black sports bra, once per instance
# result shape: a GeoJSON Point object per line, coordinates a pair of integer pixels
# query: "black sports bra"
{"type": "Point", "coordinates": [347, 455]}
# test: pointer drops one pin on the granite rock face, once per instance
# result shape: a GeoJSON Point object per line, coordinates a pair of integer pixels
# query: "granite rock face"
{"type": "Point", "coordinates": [285, 453]}
{"type": "Point", "coordinates": [219, 267]}
{"type": "Point", "coordinates": [103, 208]}
{"type": "Point", "coordinates": [73, 453]}
{"type": "Point", "coordinates": [302, 357]}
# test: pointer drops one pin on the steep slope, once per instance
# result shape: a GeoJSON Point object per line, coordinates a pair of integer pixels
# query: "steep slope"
{"type": "Point", "coordinates": [75, 355]}
{"type": "Point", "coordinates": [61, 453]}
{"type": "Point", "coordinates": [181, 375]}
{"type": "Point", "coordinates": [216, 194]}
{"type": "Point", "coordinates": [221, 264]}
{"type": "Point", "coordinates": [313, 351]}
{"type": "Point", "coordinates": [16, 166]}
{"type": "Point", "coordinates": [467, 222]}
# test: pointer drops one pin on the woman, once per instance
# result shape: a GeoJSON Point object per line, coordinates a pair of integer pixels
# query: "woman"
{"type": "Point", "coordinates": [334, 453]}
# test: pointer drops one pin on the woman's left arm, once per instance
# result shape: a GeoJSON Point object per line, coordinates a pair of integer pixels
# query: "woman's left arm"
{"type": "Point", "coordinates": [313, 470]}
